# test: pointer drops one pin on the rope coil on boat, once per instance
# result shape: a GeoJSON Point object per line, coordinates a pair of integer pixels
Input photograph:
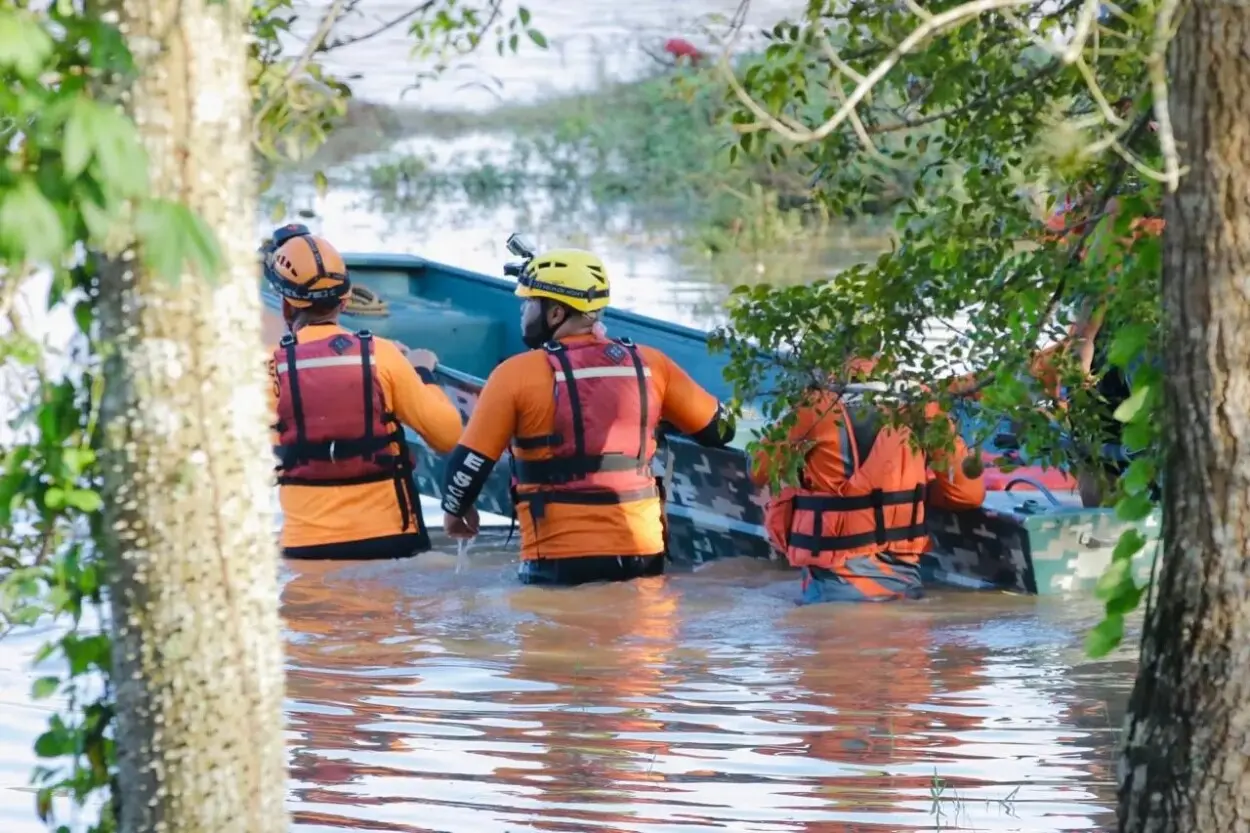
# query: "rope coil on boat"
{"type": "Point", "coordinates": [365, 302]}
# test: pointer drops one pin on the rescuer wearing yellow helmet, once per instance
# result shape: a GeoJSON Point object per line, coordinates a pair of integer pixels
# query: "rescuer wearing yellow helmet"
{"type": "Point", "coordinates": [567, 284]}
{"type": "Point", "coordinates": [579, 412]}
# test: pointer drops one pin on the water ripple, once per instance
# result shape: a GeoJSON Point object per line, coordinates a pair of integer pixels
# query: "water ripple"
{"type": "Point", "coordinates": [686, 704]}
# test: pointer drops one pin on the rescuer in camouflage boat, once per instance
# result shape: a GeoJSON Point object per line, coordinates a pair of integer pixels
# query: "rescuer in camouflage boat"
{"type": "Point", "coordinates": [1106, 463]}
{"type": "Point", "coordinates": [855, 524]}
{"type": "Point", "coordinates": [580, 411]}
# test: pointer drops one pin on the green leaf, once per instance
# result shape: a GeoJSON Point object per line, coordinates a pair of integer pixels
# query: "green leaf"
{"type": "Point", "coordinates": [524, 14]}
{"type": "Point", "coordinates": [173, 237]}
{"type": "Point", "coordinates": [1134, 508]}
{"type": "Point", "coordinates": [30, 228]}
{"type": "Point", "coordinates": [119, 153]}
{"type": "Point", "coordinates": [54, 498]}
{"type": "Point", "coordinates": [83, 315]}
{"type": "Point", "coordinates": [1129, 407]}
{"type": "Point", "coordinates": [76, 460]}
{"type": "Point", "coordinates": [44, 687]}
{"type": "Point", "coordinates": [1138, 435]}
{"type": "Point", "coordinates": [539, 39]}
{"type": "Point", "coordinates": [1105, 636]}
{"type": "Point", "coordinates": [320, 183]}
{"type": "Point", "coordinates": [1136, 479]}
{"type": "Point", "coordinates": [84, 500]}
{"type": "Point", "coordinates": [1111, 579]}
{"type": "Point", "coordinates": [1131, 541]}
{"type": "Point", "coordinates": [99, 221]}
{"type": "Point", "coordinates": [54, 743]}
{"type": "Point", "coordinates": [1129, 341]}
{"type": "Point", "coordinates": [24, 45]}
{"type": "Point", "coordinates": [1125, 600]}
{"type": "Point", "coordinates": [78, 144]}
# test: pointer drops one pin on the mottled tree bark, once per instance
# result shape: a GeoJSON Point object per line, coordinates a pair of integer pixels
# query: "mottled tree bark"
{"type": "Point", "coordinates": [1186, 765]}
{"type": "Point", "coordinates": [198, 655]}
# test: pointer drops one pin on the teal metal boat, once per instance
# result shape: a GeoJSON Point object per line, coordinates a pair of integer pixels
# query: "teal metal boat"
{"type": "Point", "coordinates": [1025, 539]}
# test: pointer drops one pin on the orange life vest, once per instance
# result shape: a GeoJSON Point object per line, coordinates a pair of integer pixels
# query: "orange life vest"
{"type": "Point", "coordinates": [1071, 209]}
{"type": "Point", "coordinates": [603, 439]}
{"type": "Point", "coordinates": [334, 427]}
{"type": "Point", "coordinates": [879, 508]}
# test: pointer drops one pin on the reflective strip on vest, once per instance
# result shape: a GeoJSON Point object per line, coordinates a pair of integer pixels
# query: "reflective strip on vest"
{"type": "Point", "coordinates": [323, 361]}
{"type": "Point", "coordinates": [602, 373]}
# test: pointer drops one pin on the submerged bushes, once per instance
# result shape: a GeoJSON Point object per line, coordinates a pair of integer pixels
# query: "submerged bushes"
{"type": "Point", "coordinates": [658, 147]}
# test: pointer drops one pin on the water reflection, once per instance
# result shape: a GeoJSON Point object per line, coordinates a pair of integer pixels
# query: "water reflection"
{"type": "Point", "coordinates": [423, 700]}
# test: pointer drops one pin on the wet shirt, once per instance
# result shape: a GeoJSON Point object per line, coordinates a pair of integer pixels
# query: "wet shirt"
{"type": "Point", "coordinates": [518, 401]}
{"type": "Point", "coordinates": [318, 515]}
{"type": "Point", "coordinates": [817, 424]}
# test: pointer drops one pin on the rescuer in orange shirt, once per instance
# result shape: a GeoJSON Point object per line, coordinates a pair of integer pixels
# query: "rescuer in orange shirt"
{"type": "Point", "coordinates": [580, 411]}
{"type": "Point", "coordinates": [341, 400]}
{"type": "Point", "coordinates": [855, 525]}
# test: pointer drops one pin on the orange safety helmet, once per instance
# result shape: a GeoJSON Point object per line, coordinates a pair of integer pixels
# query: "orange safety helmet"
{"type": "Point", "coordinates": [305, 269]}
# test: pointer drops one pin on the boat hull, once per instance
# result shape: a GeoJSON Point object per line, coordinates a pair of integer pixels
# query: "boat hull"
{"type": "Point", "coordinates": [1019, 541]}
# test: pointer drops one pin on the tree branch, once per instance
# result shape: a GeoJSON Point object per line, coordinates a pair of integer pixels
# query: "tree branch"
{"type": "Point", "coordinates": [310, 49]}
{"type": "Point", "coordinates": [1009, 90]}
{"type": "Point", "coordinates": [929, 26]}
{"type": "Point", "coordinates": [338, 43]}
{"type": "Point", "coordinates": [1165, 28]}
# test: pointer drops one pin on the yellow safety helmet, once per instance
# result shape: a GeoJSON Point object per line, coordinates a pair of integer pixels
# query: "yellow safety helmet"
{"type": "Point", "coordinates": [571, 276]}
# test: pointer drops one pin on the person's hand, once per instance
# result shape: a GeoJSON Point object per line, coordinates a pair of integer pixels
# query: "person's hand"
{"type": "Point", "coordinates": [465, 527]}
{"type": "Point", "coordinates": [599, 331]}
{"type": "Point", "coordinates": [423, 358]}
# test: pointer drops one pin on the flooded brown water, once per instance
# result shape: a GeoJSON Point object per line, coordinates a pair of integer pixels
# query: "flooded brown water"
{"type": "Point", "coordinates": [423, 700]}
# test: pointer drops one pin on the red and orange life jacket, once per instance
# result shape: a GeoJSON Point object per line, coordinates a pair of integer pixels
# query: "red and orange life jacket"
{"type": "Point", "coordinates": [603, 439]}
{"type": "Point", "coordinates": [334, 426]}
{"type": "Point", "coordinates": [880, 507]}
{"type": "Point", "coordinates": [1067, 224]}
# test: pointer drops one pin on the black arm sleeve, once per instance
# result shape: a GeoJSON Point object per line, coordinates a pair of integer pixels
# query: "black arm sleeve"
{"type": "Point", "coordinates": [719, 432]}
{"type": "Point", "coordinates": [464, 478]}
{"type": "Point", "coordinates": [426, 376]}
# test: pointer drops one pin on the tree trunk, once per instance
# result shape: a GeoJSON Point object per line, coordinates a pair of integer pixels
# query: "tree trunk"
{"type": "Point", "coordinates": [197, 659]}
{"type": "Point", "coordinates": [1186, 764]}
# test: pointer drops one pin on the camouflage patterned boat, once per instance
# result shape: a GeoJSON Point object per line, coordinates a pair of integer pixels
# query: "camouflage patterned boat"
{"type": "Point", "coordinates": [1025, 539]}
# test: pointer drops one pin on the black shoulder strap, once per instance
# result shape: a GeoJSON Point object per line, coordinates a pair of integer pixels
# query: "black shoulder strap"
{"type": "Point", "coordinates": [365, 338]}
{"type": "Point", "coordinates": [643, 404]}
{"type": "Point", "coordinates": [297, 403]}
{"type": "Point", "coordinates": [575, 400]}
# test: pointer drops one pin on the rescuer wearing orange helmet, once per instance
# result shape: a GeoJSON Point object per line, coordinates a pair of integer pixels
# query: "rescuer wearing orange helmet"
{"type": "Point", "coordinates": [341, 400]}
{"type": "Point", "coordinates": [855, 524]}
{"type": "Point", "coordinates": [580, 411]}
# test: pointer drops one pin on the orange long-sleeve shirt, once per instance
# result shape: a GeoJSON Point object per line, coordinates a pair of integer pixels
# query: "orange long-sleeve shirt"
{"type": "Point", "coordinates": [317, 515]}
